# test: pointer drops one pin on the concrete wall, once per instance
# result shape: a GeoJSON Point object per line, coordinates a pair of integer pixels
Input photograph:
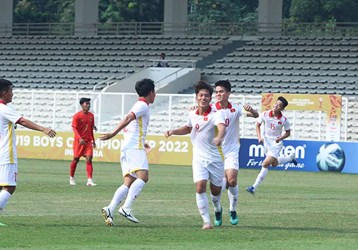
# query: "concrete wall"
{"type": "Point", "coordinates": [175, 17]}
{"type": "Point", "coordinates": [86, 15]}
{"type": "Point", "coordinates": [270, 17]}
{"type": "Point", "coordinates": [6, 16]}
{"type": "Point", "coordinates": [167, 80]}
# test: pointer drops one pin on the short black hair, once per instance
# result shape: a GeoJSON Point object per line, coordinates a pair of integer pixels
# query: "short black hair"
{"type": "Point", "coordinates": [84, 99]}
{"type": "Point", "coordinates": [5, 85]}
{"type": "Point", "coordinates": [224, 83]}
{"type": "Point", "coordinates": [283, 100]}
{"type": "Point", "coordinates": [203, 85]}
{"type": "Point", "coordinates": [144, 87]}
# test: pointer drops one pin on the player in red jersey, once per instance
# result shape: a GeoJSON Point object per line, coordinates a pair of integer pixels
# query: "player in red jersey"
{"type": "Point", "coordinates": [83, 126]}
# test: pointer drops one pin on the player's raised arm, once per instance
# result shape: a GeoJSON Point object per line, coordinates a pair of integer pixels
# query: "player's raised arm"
{"type": "Point", "coordinates": [121, 125]}
{"type": "Point", "coordinates": [31, 125]}
{"type": "Point", "coordinates": [251, 112]}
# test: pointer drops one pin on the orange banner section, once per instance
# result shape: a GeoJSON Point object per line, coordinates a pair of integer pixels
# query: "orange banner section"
{"type": "Point", "coordinates": [176, 150]}
{"type": "Point", "coordinates": [331, 104]}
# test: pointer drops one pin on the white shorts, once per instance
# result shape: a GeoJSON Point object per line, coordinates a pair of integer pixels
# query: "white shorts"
{"type": "Point", "coordinates": [133, 160]}
{"type": "Point", "coordinates": [272, 148]}
{"type": "Point", "coordinates": [232, 160]}
{"type": "Point", "coordinates": [8, 174]}
{"type": "Point", "coordinates": [212, 171]}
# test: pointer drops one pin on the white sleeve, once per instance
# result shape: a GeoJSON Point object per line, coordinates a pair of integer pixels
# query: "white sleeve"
{"type": "Point", "coordinates": [260, 119]}
{"type": "Point", "coordinates": [286, 125]}
{"type": "Point", "coordinates": [219, 118]}
{"type": "Point", "coordinates": [139, 109]}
{"type": "Point", "coordinates": [188, 121]}
{"type": "Point", "coordinates": [11, 114]}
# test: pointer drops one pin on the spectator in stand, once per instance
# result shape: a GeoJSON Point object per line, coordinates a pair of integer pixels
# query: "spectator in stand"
{"type": "Point", "coordinates": [162, 62]}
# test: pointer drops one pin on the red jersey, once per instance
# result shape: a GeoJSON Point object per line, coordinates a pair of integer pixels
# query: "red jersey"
{"type": "Point", "coordinates": [83, 125]}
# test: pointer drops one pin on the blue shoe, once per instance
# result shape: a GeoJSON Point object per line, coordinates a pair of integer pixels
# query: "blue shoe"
{"type": "Point", "coordinates": [234, 219]}
{"type": "Point", "coordinates": [218, 220]}
{"type": "Point", "coordinates": [251, 190]}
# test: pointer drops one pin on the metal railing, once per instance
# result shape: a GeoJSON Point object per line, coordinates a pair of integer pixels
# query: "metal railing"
{"type": "Point", "coordinates": [286, 28]}
{"type": "Point", "coordinates": [56, 108]}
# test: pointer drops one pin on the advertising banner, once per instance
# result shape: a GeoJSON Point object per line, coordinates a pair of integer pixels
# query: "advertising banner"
{"type": "Point", "coordinates": [330, 104]}
{"type": "Point", "coordinates": [312, 156]}
{"type": "Point", "coordinates": [176, 150]}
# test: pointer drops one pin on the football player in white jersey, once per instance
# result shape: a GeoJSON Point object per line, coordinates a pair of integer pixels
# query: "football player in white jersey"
{"type": "Point", "coordinates": [273, 122]}
{"type": "Point", "coordinates": [8, 155]}
{"type": "Point", "coordinates": [231, 144]}
{"type": "Point", "coordinates": [134, 160]}
{"type": "Point", "coordinates": [207, 129]}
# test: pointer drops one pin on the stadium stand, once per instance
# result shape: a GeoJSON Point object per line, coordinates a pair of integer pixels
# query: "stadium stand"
{"type": "Point", "coordinates": [291, 65]}
{"type": "Point", "coordinates": [80, 63]}
{"type": "Point", "coordinates": [278, 65]}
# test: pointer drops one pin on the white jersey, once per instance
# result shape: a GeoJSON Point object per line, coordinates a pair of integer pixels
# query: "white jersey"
{"type": "Point", "coordinates": [273, 125]}
{"type": "Point", "coordinates": [135, 132]}
{"type": "Point", "coordinates": [231, 114]}
{"type": "Point", "coordinates": [8, 119]}
{"type": "Point", "coordinates": [202, 135]}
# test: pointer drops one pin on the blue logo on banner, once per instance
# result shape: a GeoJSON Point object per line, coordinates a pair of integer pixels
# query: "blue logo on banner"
{"type": "Point", "coordinates": [312, 156]}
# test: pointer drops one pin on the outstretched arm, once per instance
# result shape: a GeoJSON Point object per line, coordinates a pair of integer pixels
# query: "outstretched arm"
{"type": "Point", "coordinates": [178, 131]}
{"type": "Point", "coordinates": [251, 112]}
{"type": "Point", "coordinates": [31, 125]}
{"type": "Point", "coordinates": [122, 124]}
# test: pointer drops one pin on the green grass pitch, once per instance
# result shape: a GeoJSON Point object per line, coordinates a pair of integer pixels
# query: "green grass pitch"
{"type": "Point", "coordinates": [291, 210]}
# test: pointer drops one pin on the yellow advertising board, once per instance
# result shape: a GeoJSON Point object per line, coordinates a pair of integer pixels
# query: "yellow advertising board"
{"type": "Point", "coordinates": [31, 144]}
{"type": "Point", "coordinates": [331, 104]}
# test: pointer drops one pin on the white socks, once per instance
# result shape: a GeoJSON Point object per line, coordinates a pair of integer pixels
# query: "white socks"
{"type": "Point", "coordinates": [4, 197]}
{"type": "Point", "coordinates": [118, 196]}
{"type": "Point", "coordinates": [260, 177]}
{"type": "Point", "coordinates": [283, 159]}
{"type": "Point", "coordinates": [223, 187]}
{"type": "Point", "coordinates": [233, 194]}
{"type": "Point", "coordinates": [216, 202]}
{"type": "Point", "coordinates": [134, 190]}
{"type": "Point", "coordinates": [203, 206]}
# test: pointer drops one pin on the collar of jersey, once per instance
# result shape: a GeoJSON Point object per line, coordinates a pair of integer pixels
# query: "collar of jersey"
{"type": "Point", "coordinates": [271, 114]}
{"type": "Point", "coordinates": [218, 106]}
{"type": "Point", "coordinates": [143, 100]}
{"type": "Point", "coordinates": [206, 113]}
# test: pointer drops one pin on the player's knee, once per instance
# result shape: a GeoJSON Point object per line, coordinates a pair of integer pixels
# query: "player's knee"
{"type": "Point", "coordinates": [145, 178]}
{"type": "Point", "coordinates": [11, 189]}
{"type": "Point", "coordinates": [232, 182]}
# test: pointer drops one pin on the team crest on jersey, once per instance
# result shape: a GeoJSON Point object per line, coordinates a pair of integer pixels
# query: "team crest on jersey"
{"type": "Point", "coordinates": [205, 118]}
{"type": "Point", "coordinates": [279, 123]}
{"type": "Point", "coordinates": [232, 110]}
{"type": "Point", "coordinates": [197, 126]}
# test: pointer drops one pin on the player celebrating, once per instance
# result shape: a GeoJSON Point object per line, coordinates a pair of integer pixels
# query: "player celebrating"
{"type": "Point", "coordinates": [274, 121]}
{"type": "Point", "coordinates": [230, 145]}
{"type": "Point", "coordinates": [207, 157]}
{"type": "Point", "coordinates": [8, 155]}
{"type": "Point", "coordinates": [83, 144]}
{"type": "Point", "coordinates": [134, 160]}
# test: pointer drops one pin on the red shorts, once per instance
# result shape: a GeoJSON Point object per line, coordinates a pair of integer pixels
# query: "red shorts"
{"type": "Point", "coordinates": [82, 149]}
